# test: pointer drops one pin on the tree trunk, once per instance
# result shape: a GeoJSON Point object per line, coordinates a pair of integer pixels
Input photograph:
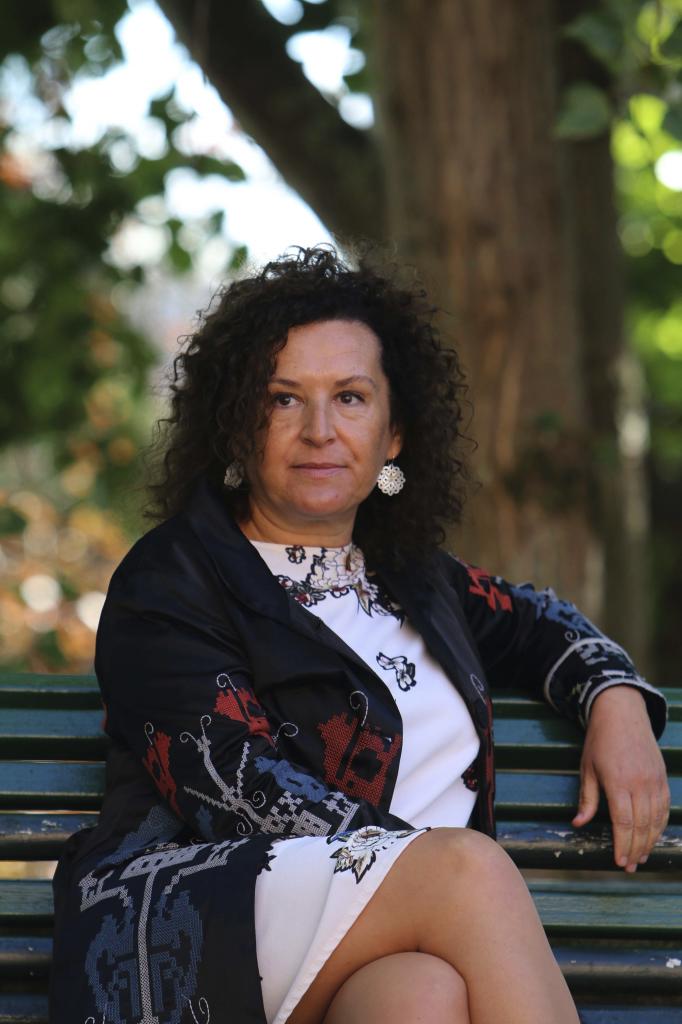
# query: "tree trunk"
{"type": "Point", "coordinates": [477, 200]}
{"type": "Point", "coordinates": [614, 383]}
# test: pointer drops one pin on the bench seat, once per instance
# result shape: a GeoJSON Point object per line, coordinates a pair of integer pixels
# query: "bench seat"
{"type": "Point", "coordinates": [617, 938]}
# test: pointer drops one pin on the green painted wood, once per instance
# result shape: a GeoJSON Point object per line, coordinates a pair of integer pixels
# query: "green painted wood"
{"type": "Point", "coordinates": [533, 844]}
{"type": "Point", "coordinates": [522, 795]}
{"type": "Point", "coordinates": [25, 904]}
{"type": "Point", "coordinates": [633, 1014]}
{"type": "Point", "coordinates": [25, 956]}
{"type": "Point", "coordinates": [630, 908]}
{"type": "Point", "coordinates": [32, 1009]}
{"type": "Point", "coordinates": [23, 689]}
{"type": "Point", "coordinates": [42, 689]}
{"type": "Point", "coordinates": [68, 733]}
{"type": "Point", "coordinates": [605, 969]}
{"type": "Point", "coordinates": [39, 836]}
{"type": "Point", "coordinates": [545, 743]}
{"type": "Point", "coordinates": [23, 1009]}
{"type": "Point", "coordinates": [43, 785]}
{"type": "Point", "coordinates": [517, 704]}
{"type": "Point", "coordinates": [554, 796]}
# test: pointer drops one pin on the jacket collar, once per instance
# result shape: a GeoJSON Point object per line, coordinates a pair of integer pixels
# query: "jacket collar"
{"type": "Point", "coordinates": [239, 565]}
{"type": "Point", "coordinates": [419, 590]}
{"type": "Point", "coordinates": [245, 574]}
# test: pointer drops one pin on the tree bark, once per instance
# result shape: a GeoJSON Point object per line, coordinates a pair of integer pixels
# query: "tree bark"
{"type": "Point", "coordinates": [333, 166]}
{"type": "Point", "coordinates": [613, 378]}
{"type": "Point", "coordinates": [467, 103]}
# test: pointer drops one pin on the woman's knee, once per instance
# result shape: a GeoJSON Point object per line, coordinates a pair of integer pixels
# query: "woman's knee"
{"type": "Point", "coordinates": [409, 987]}
{"type": "Point", "coordinates": [461, 853]}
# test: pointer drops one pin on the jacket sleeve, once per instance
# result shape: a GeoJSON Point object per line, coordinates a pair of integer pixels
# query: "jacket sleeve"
{"type": "Point", "coordinates": [178, 692]}
{"type": "Point", "coordinates": [533, 639]}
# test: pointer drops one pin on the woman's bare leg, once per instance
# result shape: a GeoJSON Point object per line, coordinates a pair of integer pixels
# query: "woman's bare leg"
{"type": "Point", "coordinates": [455, 894]}
{"type": "Point", "coordinates": [405, 988]}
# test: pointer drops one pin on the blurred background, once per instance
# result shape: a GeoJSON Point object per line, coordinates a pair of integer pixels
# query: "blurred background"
{"type": "Point", "coordinates": [526, 159]}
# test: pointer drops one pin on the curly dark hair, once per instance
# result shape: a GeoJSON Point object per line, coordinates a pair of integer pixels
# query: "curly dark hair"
{"type": "Point", "coordinates": [219, 383]}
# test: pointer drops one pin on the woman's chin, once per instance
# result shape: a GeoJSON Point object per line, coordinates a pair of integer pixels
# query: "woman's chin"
{"type": "Point", "coordinates": [321, 507]}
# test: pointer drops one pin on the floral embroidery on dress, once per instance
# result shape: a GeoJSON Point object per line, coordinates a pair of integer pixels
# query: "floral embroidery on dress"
{"type": "Point", "coordinates": [405, 672]}
{"type": "Point", "coordinates": [361, 846]}
{"type": "Point", "coordinates": [337, 572]}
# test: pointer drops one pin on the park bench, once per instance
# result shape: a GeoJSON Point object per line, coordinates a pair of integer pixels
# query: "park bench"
{"type": "Point", "coordinates": [617, 938]}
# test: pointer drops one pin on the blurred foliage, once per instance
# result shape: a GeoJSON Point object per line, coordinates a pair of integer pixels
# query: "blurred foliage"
{"type": "Point", "coordinates": [74, 405]}
{"type": "Point", "coordinates": [640, 46]}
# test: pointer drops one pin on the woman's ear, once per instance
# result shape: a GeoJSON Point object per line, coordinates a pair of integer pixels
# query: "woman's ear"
{"type": "Point", "coordinates": [396, 442]}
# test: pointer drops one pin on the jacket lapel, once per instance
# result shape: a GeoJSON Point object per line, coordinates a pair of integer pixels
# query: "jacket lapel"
{"type": "Point", "coordinates": [248, 578]}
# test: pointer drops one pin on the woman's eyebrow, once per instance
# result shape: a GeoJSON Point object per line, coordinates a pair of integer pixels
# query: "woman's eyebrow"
{"type": "Point", "coordinates": [344, 383]}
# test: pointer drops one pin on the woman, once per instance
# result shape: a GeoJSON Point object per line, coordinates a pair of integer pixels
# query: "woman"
{"type": "Point", "coordinates": [300, 735]}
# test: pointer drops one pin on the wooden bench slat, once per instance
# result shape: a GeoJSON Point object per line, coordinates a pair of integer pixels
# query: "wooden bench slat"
{"type": "Point", "coordinates": [555, 743]}
{"type": "Point", "coordinates": [629, 1014]}
{"type": "Point", "coordinates": [517, 703]}
{"type": "Point", "coordinates": [614, 969]}
{"type": "Point", "coordinates": [25, 904]}
{"type": "Point", "coordinates": [45, 691]}
{"type": "Point", "coordinates": [42, 785]}
{"type": "Point", "coordinates": [25, 956]}
{"type": "Point", "coordinates": [631, 908]}
{"type": "Point", "coordinates": [63, 733]}
{"type": "Point", "coordinates": [522, 742]}
{"type": "Point", "coordinates": [554, 795]}
{"type": "Point", "coordinates": [23, 1009]}
{"type": "Point", "coordinates": [639, 968]}
{"type": "Point", "coordinates": [39, 836]}
{"type": "Point", "coordinates": [533, 844]}
{"type": "Point", "coordinates": [45, 784]}
{"type": "Point", "coordinates": [32, 1009]}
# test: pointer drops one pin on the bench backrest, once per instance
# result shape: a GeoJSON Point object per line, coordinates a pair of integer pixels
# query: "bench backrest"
{"type": "Point", "coordinates": [613, 934]}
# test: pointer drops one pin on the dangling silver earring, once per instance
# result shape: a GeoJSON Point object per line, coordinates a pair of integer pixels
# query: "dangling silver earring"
{"type": "Point", "coordinates": [234, 475]}
{"type": "Point", "coordinates": [391, 479]}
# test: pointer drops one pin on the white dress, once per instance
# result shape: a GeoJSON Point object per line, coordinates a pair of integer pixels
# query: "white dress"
{"type": "Point", "coordinates": [317, 886]}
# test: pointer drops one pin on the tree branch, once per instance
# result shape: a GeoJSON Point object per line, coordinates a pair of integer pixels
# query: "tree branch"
{"type": "Point", "coordinates": [333, 166]}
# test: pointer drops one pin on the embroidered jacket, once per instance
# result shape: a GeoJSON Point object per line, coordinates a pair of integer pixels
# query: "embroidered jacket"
{"type": "Point", "coordinates": [234, 718]}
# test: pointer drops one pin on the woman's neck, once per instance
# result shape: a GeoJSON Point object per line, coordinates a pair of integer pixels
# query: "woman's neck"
{"type": "Point", "coordinates": [263, 526]}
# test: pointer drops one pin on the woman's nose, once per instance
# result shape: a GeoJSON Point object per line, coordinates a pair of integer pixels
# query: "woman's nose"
{"type": "Point", "coordinates": [318, 425]}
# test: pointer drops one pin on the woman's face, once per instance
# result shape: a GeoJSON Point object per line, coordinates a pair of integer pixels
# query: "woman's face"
{"type": "Point", "coordinates": [329, 433]}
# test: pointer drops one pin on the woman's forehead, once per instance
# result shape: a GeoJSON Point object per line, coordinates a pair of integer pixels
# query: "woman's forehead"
{"type": "Point", "coordinates": [333, 348]}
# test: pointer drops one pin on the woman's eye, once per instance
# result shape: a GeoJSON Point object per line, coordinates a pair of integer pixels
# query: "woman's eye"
{"type": "Point", "coordinates": [350, 397]}
{"type": "Point", "coordinates": [284, 401]}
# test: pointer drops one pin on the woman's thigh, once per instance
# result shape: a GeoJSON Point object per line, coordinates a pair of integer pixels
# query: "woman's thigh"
{"type": "Point", "coordinates": [389, 923]}
{"type": "Point", "coordinates": [413, 988]}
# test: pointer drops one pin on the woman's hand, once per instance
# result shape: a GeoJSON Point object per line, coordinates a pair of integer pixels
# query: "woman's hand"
{"type": "Point", "coordinates": [621, 755]}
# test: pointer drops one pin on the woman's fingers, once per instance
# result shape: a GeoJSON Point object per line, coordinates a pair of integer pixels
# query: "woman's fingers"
{"type": "Point", "coordinates": [639, 817]}
{"type": "Point", "coordinates": [621, 752]}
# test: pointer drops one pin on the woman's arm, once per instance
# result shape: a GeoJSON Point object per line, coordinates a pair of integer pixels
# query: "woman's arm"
{"type": "Point", "coordinates": [535, 640]}
{"type": "Point", "coordinates": [178, 693]}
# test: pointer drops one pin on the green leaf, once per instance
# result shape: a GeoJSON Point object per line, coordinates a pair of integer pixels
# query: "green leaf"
{"type": "Point", "coordinates": [11, 521]}
{"type": "Point", "coordinates": [671, 48]}
{"type": "Point", "coordinates": [238, 258]}
{"type": "Point", "coordinates": [672, 122]}
{"type": "Point", "coordinates": [210, 165]}
{"type": "Point", "coordinates": [601, 35]}
{"type": "Point", "coordinates": [180, 259]}
{"type": "Point", "coordinates": [584, 113]}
